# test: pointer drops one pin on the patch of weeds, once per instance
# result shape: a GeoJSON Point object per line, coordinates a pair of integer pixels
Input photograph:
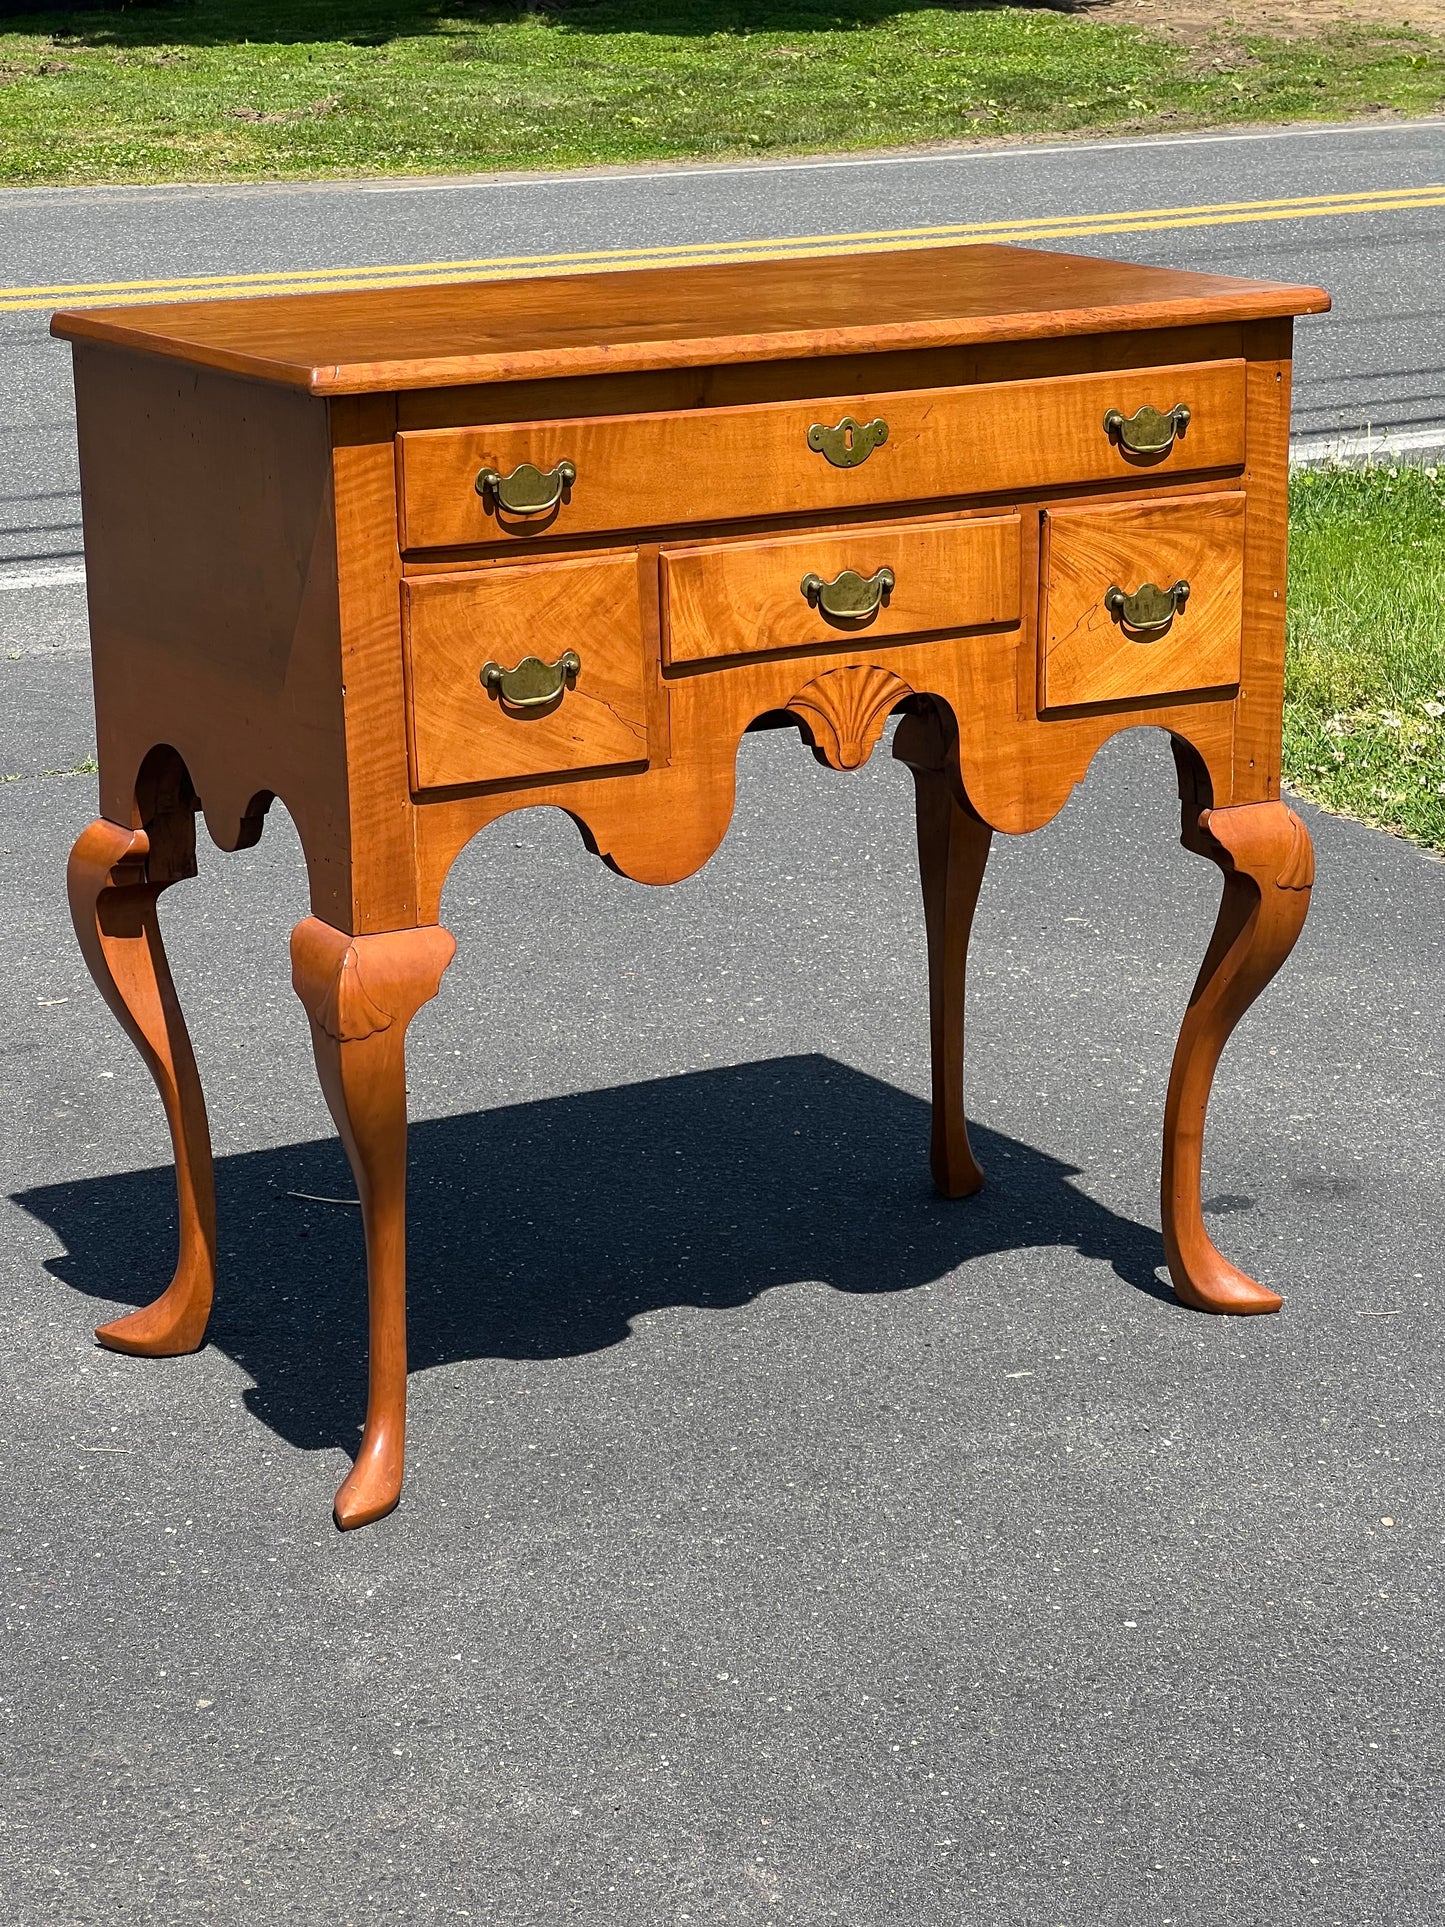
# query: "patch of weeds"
{"type": "Point", "coordinates": [1365, 672]}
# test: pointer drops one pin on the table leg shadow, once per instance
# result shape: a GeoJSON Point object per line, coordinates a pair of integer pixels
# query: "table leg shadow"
{"type": "Point", "coordinates": [542, 1230]}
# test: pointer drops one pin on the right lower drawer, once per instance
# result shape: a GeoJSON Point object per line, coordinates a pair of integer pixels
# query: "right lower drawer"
{"type": "Point", "coordinates": [1105, 638]}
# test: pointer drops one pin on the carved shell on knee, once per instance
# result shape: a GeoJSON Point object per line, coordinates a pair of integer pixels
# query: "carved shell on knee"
{"type": "Point", "coordinates": [1298, 869]}
{"type": "Point", "coordinates": [347, 1011]}
{"type": "Point", "coordinates": [844, 711]}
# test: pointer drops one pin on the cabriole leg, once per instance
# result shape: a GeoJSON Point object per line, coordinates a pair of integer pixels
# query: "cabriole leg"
{"type": "Point", "coordinates": [360, 994]}
{"type": "Point", "coordinates": [953, 848]}
{"type": "Point", "coordinates": [1268, 863]}
{"type": "Point", "coordinates": [114, 879]}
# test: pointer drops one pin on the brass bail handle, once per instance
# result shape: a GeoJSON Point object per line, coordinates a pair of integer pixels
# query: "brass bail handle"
{"type": "Point", "coordinates": [533, 684]}
{"type": "Point", "coordinates": [527, 490]}
{"type": "Point", "coordinates": [849, 597]}
{"type": "Point", "coordinates": [1148, 431]}
{"type": "Point", "coordinates": [1150, 610]}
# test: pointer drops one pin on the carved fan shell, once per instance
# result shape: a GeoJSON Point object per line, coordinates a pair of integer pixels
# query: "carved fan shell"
{"type": "Point", "coordinates": [845, 711]}
{"type": "Point", "coordinates": [347, 1012]}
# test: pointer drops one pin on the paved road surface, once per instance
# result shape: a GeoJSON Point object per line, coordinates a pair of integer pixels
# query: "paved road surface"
{"type": "Point", "coordinates": [781, 1544]}
{"type": "Point", "coordinates": [1376, 364]}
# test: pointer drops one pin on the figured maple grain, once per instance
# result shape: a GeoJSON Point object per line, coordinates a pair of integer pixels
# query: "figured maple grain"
{"type": "Point", "coordinates": [260, 631]}
{"type": "Point", "coordinates": [211, 582]}
{"type": "Point", "coordinates": [483, 331]}
{"type": "Point", "coordinates": [378, 797]}
{"type": "Point", "coordinates": [454, 624]}
{"type": "Point", "coordinates": [751, 384]}
{"type": "Point", "coordinates": [721, 464]}
{"type": "Point", "coordinates": [746, 598]}
{"type": "Point", "coordinates": [1089, 654]}
{"type": "Point", "coordinates": [1260, 709]}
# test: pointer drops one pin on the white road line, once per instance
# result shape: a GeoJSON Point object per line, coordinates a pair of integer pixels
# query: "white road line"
{"type": "Point", "coordinates": [673, 170]}
{"type": "Point", "coordinates": [29, 577]}
{"type": "Point", "coordinates": [952, 155]}
{"type": "Point", "coordinates": [1377, 445]}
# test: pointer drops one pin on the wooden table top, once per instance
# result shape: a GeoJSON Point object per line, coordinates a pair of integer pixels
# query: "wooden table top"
{"type": "Point", "coordinates": [384, 339]}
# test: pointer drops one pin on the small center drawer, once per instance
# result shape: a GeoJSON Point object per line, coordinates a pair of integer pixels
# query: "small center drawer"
{"type": "Point", "coordinates": [551, 718]}
{"type": "Point", "coordinates": [1141, 601]}
{"type": "Point", "coordinates": [821, 591]}
{"type": "Point", "coordinates": [590, 474]}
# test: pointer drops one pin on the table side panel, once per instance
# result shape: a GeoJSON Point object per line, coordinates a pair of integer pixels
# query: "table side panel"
{"type": "Point", "coordinates": [211, 581]}
{"type": "Point", "coordinates": [1259, 737]}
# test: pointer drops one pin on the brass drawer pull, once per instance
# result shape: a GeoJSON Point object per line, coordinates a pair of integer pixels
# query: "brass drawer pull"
{"type": "Point", "coordinates": [1147, 432]}
{"type": "Point", "coordinates": [533, 684]}
{"type": "Point", "coordinates": [850, 443]}
{"type": "Point", "coordinates": [849, 597]}
{"type": "Point", "coordinates": [1150, 610]}
{"type": "Point", "coordinates": [527, 490]}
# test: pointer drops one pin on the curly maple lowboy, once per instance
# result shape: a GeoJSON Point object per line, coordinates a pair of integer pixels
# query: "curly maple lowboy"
{"type": "Point", "coordinates": [412, 559]}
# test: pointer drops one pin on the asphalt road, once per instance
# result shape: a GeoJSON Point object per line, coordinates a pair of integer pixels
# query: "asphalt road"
{"type": "Point", "coordinates": [1376, 365]}
{"type": "Point", "coordinates": [780, 1543]}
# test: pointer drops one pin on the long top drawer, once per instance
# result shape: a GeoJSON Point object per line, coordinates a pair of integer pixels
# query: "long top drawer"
{"type": "Point", "coordinates": [613, 472]}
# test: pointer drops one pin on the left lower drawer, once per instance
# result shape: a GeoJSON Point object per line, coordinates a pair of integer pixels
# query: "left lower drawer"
{"type": "Point", "coordinates": [548, 720]}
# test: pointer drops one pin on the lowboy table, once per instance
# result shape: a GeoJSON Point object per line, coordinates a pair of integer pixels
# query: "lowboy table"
{"type": "Point", "coordinates": [410, 559]}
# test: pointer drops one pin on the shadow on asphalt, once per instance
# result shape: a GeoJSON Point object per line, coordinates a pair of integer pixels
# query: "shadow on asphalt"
{"type": "Point", "coordinates": [219, 23]}
{"type": "Point", "coordinates": [541, 1230]}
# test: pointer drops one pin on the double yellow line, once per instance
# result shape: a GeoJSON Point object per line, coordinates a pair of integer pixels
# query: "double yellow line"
{"type": "Point", "coordinates": [90, 294]}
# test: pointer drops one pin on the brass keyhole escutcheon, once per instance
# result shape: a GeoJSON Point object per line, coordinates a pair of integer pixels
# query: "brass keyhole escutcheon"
{"type": "Point", "coordinates": [849, 597]}
{"type": "Point", "coordinates": [533, 684]}
{"type": "Point", "coordinates": [1149, 430]}
{"type": "Point", "coordinates": [1150, 610]}
{"type": "Point", "coordinates": [850, 443]}
{"type": "Point", "coordinates": [527, 490]}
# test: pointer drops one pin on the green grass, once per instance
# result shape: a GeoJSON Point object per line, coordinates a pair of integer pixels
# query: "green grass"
{"type": "Point", "coordinates": [1365, 682]}
{"type": "Point", "coordinates": [221, 89]}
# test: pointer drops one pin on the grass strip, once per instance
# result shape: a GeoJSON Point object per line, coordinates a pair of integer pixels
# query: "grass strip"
{"type": "Point", "coordinates": [1364, 727]}
{"type": "Point", "coordinates": [238, 89]}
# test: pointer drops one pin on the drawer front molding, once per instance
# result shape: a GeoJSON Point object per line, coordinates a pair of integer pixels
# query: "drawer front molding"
{"type": "Point", "coordinates": [730, 464]}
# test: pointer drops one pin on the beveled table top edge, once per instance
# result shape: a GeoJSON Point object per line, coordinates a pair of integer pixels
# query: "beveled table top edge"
{"type": "Point", "coordinates": [376, 341]}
